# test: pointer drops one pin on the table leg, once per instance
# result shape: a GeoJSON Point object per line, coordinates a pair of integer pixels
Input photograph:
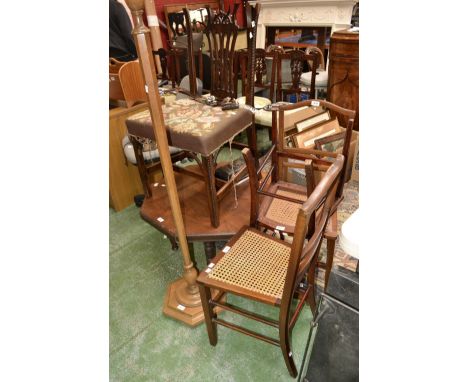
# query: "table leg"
{"type": "Point", "coordinates": [209, 165]}
{"type": "Point", "coordinates": [210, 250]}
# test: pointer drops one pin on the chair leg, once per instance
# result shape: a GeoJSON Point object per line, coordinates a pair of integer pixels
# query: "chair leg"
{"type": "Point", "coordinates": [286, 349]}
{"type": "Point", "coordinates": [211, 327]}
{"type": "Point", "coordinates": [311, 288]}
{"type": "Point", "coordinates": [330, 255]}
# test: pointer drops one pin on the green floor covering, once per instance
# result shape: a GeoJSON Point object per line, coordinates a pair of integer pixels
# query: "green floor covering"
{"type": "Point", "coordinates": [145, 345]}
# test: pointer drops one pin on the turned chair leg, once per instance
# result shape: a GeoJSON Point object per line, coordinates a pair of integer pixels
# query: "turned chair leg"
{"type": "Point", "coordinates": [286, 350]}
{"type": "Point", "coordinates": [211, 327]}
{"type": "Point", "coordinates": [330, 255]}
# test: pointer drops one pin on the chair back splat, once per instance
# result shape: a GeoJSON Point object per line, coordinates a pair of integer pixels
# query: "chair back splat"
{"type": "Point", "coordinates": [256, 266]}
{"type": "Point", "coordinates": [221, 33]}
{"type": "Point", "coordinates": [289, 80]}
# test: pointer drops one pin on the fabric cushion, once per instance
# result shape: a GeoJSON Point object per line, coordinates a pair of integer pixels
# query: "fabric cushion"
{"type": "Point", "coordinates": [321, 78]}
{"type": "Point", "coordinates": [147, 155]}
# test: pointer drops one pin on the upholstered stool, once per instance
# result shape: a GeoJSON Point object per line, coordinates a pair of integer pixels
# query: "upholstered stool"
{"type": "Point", "coordinates": [151, 155]}
{"type": "Point", "coordinates": [321, 80]}
{"type": "Point", "coordinates": [350, 235]}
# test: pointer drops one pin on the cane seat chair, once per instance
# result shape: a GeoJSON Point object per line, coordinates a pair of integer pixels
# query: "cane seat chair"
{"type": "Point", "coordinates": [278, 209]}
{"type": "Point", "coordinates": [262, 268]}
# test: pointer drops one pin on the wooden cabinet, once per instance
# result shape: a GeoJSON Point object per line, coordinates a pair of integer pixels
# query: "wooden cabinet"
{"type": "Point", "coordinates": [343, 71]}
{"type": "Point", "coordinates": [124, 180]}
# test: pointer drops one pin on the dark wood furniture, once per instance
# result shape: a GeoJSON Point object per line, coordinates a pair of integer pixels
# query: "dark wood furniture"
{"type": "Point", "coordinates": [259, 267]}
{"type": "Point", "coordinates": [276, 205]}
{"type": "Point", "coordinates": [297, 59]}
{"type": "Point", "coordinates": [343, 71]}
{"type": "Point", "coordinates": [261, 82]}
{"type": "Point", "coordinates": [221, 32]}
{"type": "Point", "coordinates": [194, 204]}
{"type": "Point", "coordinates": [197, 130]}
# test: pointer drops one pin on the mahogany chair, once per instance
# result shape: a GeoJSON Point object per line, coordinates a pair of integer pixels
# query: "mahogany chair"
{"type": "Point", "coordinates": [221, 32]}
{"type": "Point", "coordinates": [262, 82]}
{"type": "Point", "coordinates": [279, 212]}
{"type": "Point", "coordinates": [296, 59]}
{"type": "Point", "coordinates": [262, 268]}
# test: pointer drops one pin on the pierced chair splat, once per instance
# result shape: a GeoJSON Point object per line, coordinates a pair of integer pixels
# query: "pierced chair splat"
{"type": "Point", "coordinates": [289, 82]}
{"type": "Point", "coordinates": [221, 32]}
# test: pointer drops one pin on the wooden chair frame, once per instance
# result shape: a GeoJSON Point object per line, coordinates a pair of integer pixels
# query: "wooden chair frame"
{"type": "Point", "coordinates": [260, 71]}
{"type": "Point", "coordinates": [279, 153]}
{"type": "Point", "coordinates": [301, 264]}
{"type": "Point", "coordinates": [297, 59]}
{"type": "Point", "coordinates": [221, 33]}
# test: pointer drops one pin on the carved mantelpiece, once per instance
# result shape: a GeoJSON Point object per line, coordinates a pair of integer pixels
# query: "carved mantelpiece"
{"type": "Point", "coordinates": [331, 13]}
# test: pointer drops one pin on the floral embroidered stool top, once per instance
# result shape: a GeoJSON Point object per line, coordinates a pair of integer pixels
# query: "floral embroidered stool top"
{"type": "Point", "coordinates": [193, 126]}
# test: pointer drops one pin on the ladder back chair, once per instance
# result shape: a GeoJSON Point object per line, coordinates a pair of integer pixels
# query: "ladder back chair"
{"type": "Point", "coordinates": [290, 84]}
{"type": "Point", "coordinates": [276, 205]}
{"type": "Point", "coordinates": [262, 268]}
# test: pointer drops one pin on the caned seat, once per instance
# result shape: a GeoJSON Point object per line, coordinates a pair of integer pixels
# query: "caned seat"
{"type": "Point", "coordinates": [277, 201]}
{"type": "Point", "coordinates": [263, 274]}
{"type": "Point", "coordinates": [259, 267]}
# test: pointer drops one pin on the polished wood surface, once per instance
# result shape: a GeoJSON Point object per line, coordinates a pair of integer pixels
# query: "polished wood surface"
{"type": "Point", "coordinates": [124, 179]}
{"type": "Point", "coordinates": [194, 207]}
{"type": "Point", "coordinates": [126, 82]}
{"type": "Point", "coordinates": [343, 72]}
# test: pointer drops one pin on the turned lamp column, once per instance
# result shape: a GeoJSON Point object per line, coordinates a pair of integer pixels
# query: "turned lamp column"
{"type": "Point", "coordinates": [182, 300]}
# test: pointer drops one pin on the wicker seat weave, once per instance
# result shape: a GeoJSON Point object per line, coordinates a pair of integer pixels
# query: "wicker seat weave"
{"type": "Point", "coordinates": [255, 262]}
{"type": "Point", "coordinates": [283, 211]}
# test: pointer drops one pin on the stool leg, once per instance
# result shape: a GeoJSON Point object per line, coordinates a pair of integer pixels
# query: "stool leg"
{"type": "Point", "coordinates": [211, 327]}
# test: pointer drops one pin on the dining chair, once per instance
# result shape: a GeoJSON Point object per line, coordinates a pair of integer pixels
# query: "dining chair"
{"type": "Point", "coordinates": [296, 59]}
{"type": "Point", "coordinates": [221, 32]}
{"type": "Point", "coordinates": [279, 213]}
{"type": "Point", "coordinates": [259, 267]}
{"type": "Point", "coordinates": [264, 82]}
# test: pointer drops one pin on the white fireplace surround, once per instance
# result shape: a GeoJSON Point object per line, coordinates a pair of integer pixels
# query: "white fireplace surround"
{"type": "Point", "coordinates": [308, 13]}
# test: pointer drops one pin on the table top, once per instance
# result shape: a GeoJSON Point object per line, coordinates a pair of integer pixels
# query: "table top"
{"type": "Point", "coordinates": [193, 126]}
{"type": "Point", "coordinates": [194, 206]}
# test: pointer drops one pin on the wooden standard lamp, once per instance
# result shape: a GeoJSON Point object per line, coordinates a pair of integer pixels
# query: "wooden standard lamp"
{"type": "Point", "coordinates": [182, 299]}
